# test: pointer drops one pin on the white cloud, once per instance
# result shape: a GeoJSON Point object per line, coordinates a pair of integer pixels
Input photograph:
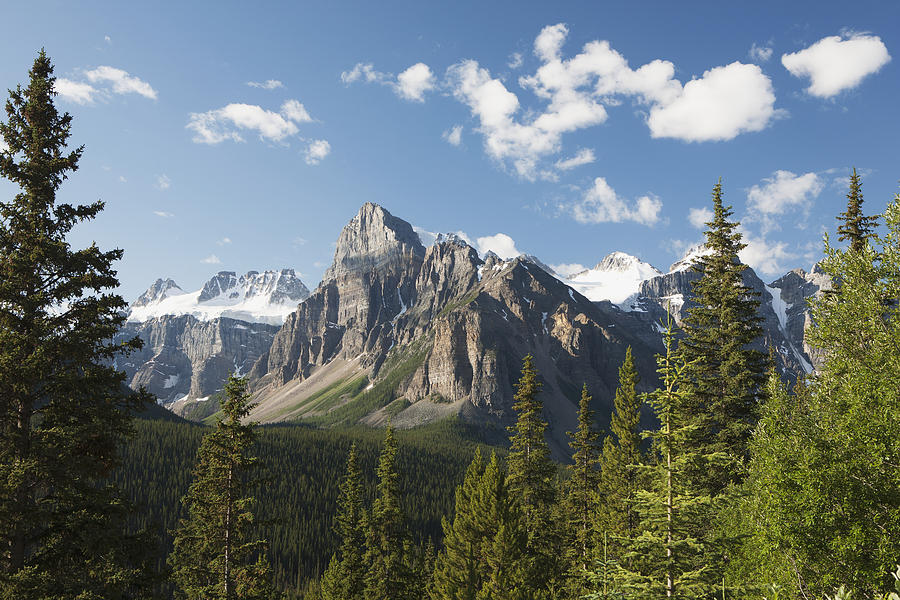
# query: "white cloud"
{"type": "Point", "coordinates": [224, 241]}
{"type": "Point", "coordinates": [453, 135]}
{"type": "Point", "coordinates": [568, 269]}
{"type": "Point", "coordinates": [316, 151]}
{"type": "Point", "coordinates": [163, 214]}
{"type": "Point", "coordinates": [411, 84]}
{"type": "Point", "coordinates": [107, 39]}
{"type": "Point", "coordinates": [122, 179]}
{"type": "Point", "coordinates": [515, 60]}
{"type": "Point", "coordinates": [122, 82]}
{"type": "Point", "coordinates": [225, 123]}
{"type": "Point", "coordinates": [3, 145]}
{"type": "Point", "coordinates": [782, 191]}
{"type": "Point", "coordinates": [75, 91]}
{"type": "Point", "coordinates": [761, 53]}
{"type": "Point", "coordinates": [724, 103]}
{"type": "Point", "coordinates": [414, 82]}
{"type": "Point", "coordinates": [500, 244]}
{"type": "Point", "coordinates": [766, 256]}
{"type": "Point", "coordinates": [585, 156]}
{"type": "Point", "coordinates": [601, 204]}
{"type": "Point", "coordinates": [299, 241]}
{"type": "Point", "coordinates": [699, 217]}
{"type": "Point", "coordinates": [212, 259]}
{"type": "Point", "coordinates": [268, 84]}
{"type": "Point", "coordinates": [834, 64]}
{"type": "Point", "coordinates": [163, 182]}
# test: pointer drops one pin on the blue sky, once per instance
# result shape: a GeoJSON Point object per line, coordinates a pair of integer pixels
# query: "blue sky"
{"type": "Point", "coordinates": [573, 128]}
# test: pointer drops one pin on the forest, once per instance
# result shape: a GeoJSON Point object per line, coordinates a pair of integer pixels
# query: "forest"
{"type": "Point", "coordinates": [743, 487]}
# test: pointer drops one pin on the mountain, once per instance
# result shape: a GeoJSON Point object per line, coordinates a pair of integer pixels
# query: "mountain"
{"type": "Point", "coordinates": [616, 278]}
{"type": "Point", "coordinates": [266, 297]}
{"type": "Point", "coordinates": [193, 341]}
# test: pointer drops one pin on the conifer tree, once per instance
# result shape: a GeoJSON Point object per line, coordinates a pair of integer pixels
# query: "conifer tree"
{"type": "Point", "coordinates": [855, 227]}
{"type": "Point", "coordinates": [621, 455]}
{"type": "Point", "coordinates": [64, 410]}
{"type": "Point", "coordinates": [532, 480]}
{"type": "Point", "coordinates": [389, 576]}
{"type": "Point", "coordinates": [345, 577]}
{"type": "Point", "coordinates": [216, 554]}
{"type": "Point", "coordinates": [581, 495]}
{"type": "Point", "coordinates": [669, 558]}
{"type": "Point", "coordinates": [727, 374]}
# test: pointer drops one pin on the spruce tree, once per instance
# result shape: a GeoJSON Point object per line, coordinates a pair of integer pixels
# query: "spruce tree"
{"type": "Point", "coordinates": [389, 576]}
{"type": "Point", "coordinates": [669, 556]}
{"type": "Point", "coordinates": [581, 496]}
{"type": "Point", "coordinates": [855, 227]}
{"type": "Point", "coordinates": [727, 374]}
{"type": "Point", "coordinates": [621, 456]}
{"type": "Point", "coordinates": [532, 481]}
{"type": "Point", "coordinates": [217, 554]}
{"type": "Point", "coordinates": [64, 410]}
{"type": "Point", "coordinates": [345, 577]}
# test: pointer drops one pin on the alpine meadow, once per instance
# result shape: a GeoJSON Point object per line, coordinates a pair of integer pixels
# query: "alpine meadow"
{"type": "Point", "coordinates": [393, 373]}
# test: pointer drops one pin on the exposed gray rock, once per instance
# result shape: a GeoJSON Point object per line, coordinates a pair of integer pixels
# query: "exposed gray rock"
{"type": "Point", "coordinates": [161, 289]}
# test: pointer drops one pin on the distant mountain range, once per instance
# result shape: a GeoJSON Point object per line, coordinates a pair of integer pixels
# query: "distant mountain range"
{"type": "Point", "coordinates": [403, 332]}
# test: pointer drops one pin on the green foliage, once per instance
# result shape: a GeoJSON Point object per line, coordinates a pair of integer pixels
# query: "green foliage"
{"type": "Point", "coordinates": [215, 553]}
{"type": "Point", "coordinates": [826, 464]}
{"type": "Point", "coordinates": [726, 373]}
{"type": "Point", "coordinates": [63, 408]}
{"type": "Point", "coordinates": [856, 227]}
{"type": "Point", "coordinates": [345, 577]}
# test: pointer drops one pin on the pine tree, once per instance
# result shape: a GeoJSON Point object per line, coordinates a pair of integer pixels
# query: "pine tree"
{"type": "Point", "coordinates": [669, 557]}
{"type": "Point", "coordinates": [855, 227]}
{"type": "Point", "coordinates": [581, 495]}
{"type": "Point", "coordinates": [727, 374]}
{"type": "Point", "coordinates": [532, 481]}
{"type": "Point", "coordinates": [389, 576]}
{"type": "Point", "coordinates": [621, 455]}
{"type": "Point", "coordinates": [216, 554]}
{"type": "Point", "coordinates": [345, 577]}
{"type": "Point", "coordinates": [63, 408]}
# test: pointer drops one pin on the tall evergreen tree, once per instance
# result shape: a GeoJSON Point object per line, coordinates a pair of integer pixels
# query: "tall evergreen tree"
{"type": "Point", "coordinates": [581, 496]}
{"type": "Point", "coordinates": [345, 577]}
{"type": "Point", "coordinates": [216, 553]}
{"type": "Point", "coordinates": [855, 227]}
{"type": "Point", "coordinates": [669, 557]}
{"type": "Point", "coordinates": [621, 457]}
{"type": "Point", "coordinates": [390, 576]}
{"type": "Point", "coordinates": [532, 480]}
{"type": "Point", "coordinates": [63, 408]}
{"type": "Point", "coordinates": [727, 374]}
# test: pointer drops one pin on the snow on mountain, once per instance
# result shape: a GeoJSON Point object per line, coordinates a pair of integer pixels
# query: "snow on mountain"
{"type": "Point", "coordinates": [267, 297]}
{"type": "Point", "coordinates": [616, 278]}
{"type": "Point", "coordinates": [689, 258]}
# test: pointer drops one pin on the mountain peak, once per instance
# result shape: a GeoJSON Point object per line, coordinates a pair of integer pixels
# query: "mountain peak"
{"type": "Point", "coordinates": [621, 261]}
{"type": "Point", "coordinates": [159, 291]}
{"type": "Point", "coordinates": [616, 278]}
{"type": "Point", "coordinates": [372, 239]}
{"type": "Point", "coordinates": [690, 257]}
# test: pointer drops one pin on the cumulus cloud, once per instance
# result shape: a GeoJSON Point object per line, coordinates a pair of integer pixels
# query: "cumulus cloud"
{"type": "Point", "coordinates": [121, 81]}
{"type": "Point", "coordinates": [414, 82]}
{"type": "Point", "coordinates": [453, 136]}
{"type": "Point", "coordinates": [163, 214]}
{"type": "Point", "coordinates": [75, 91]}
{"type": "Point", "coordinates": [411, 84]}
{"type": "Point", "coordinates": [766, 256]}
{"type": "Point", "coordinates": [782, 191]}
{"type": "Point", "coordinates": [216, 126]}
{"type": "Point", "coordinates": [515, 60]}
{"type": "Point", "coordinates": [163, 182]}
{"type": "Point", "coordinates": [500, 244]}
{"type": "Point", "coordinates": [834, 64]}
{"type": "Point", "coordinates": [568, 269]}
{"type": "Point", "coordinates": [224, 241]}
{"type": "Point", "coordinates": [268, 84]}
{"type": "Point", "coordinates": [724, 103]}
{"type": "Point", "coordinates": [585, 156]}
{"type": "Point", "coordinates": [212, 259]}
{"type": "Point", "coordinates": [601, 204]}
{"type": "Point", "coordinates": [761, 53]}
{"type": "Point", "coordinates": [699, 217]}
{"type": "Point", "coordinates": [316, 151]}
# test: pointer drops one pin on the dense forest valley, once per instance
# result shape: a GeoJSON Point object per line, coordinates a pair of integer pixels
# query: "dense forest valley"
{"type": "Point", "coordinates": [719, 478]}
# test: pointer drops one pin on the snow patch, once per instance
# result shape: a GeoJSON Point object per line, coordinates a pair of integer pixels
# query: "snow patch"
{"type": "Point", "coordinates": [616, 278]}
